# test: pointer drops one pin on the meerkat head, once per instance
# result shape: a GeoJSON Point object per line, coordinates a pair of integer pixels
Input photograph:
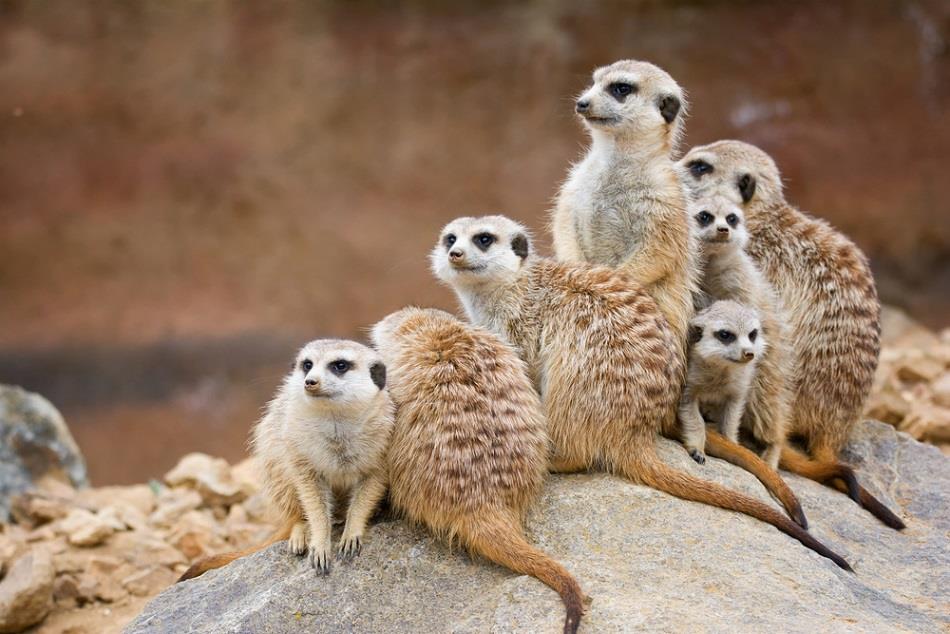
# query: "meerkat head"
{"type": "Point", "coordinates": [634, 99]}
{"type": "Point", "coordinates": [475, 252]}
{"type": "Point", "coordinates": [334, 374]}
{"type": "Point", "coordinates": [396, 327]}
{"type": "Point", "coordinates": [727, 332]}
{"type": "Point", "coordinates": [733, 170]}
{"type": "Point", "coordinates": [720, 224]}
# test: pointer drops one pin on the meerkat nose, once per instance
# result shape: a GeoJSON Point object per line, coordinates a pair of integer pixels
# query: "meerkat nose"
{"type": "Point", "coordinates": [310, 383]}
{"type": "Point", "coordinates": [456, 254]}
{"type": "Point", "coordinates": [749, 355]}
{"type": "Point", "coordinates": [582, 106]}
{"type": "Point", "coordinates": [722, 229]}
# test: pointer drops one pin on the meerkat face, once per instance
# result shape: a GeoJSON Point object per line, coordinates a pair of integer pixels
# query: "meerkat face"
{"type": "Point", "coordinates": [630, 97]}
{"type": "Point", "coordinates": [476, 251]}
{"type": "Point", "coordinates": [734, 171]}
{"type": "Point", "coordinates": [335, 373]}
{"type": "Point", "coordinates": [719, 223]}
{"type": "Point", "coordinates": [727, 332]}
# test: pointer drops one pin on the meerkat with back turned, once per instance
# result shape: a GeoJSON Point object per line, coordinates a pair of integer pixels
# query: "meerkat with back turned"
{"type": "Point", "coordinates": [599, 352]}
{"type": "Point", "coordinates": [469, 446]}
{"type": "Point", "coordinates": [325, 434]}
{"type": "Point", "coordinates": [728, 272]}
{"type": "Point", "coordinates": [827, 292]}
{"type": "Point", "coordinates": [623, 205]}
{"type": "Point", "coordinates": [724, 351]}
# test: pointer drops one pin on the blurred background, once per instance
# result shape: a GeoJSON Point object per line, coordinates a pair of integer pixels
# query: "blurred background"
{"type": "Point", "coordinates": [190, 190]}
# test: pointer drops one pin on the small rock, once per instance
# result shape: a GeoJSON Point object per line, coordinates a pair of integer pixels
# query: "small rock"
{"type": "Point", "coordinates": [172, 504]}
{"type": "Point", "coordinates": [257, 507]}
{"type": "Point", "coordinates": [888, 405]}
{"type": "Point", "coordinates": [928, 422]}
{"type": "Point", "coordinates": [195, 534]}
{"type": "Point", "coordinates": [110, 515]}
{"type": "Point", "coordinates": [83, 528]}
{"type": "Point", "coordinates": [143, 549]}
{"type": "Point", "coordinates": [66, 591]}
{"type": "Point", "coordinates": [922, 369]}
{"type": "Point", "coordinates": [139, 496]}
{"type": "Point", "coordinates": [211, 477]}
{"type": "Point", "coordinates": [149, 581]}
{"type": "Point", "coordinates": [34, 443]}
{"type": "Point", "coordinates": [34, 508]}
{"type": "Point", "coordinates": [246, 474]}
{"type": "Point", "coordinates": [941, 390]}
{"type": "Point", "coordinates": [26, 593]}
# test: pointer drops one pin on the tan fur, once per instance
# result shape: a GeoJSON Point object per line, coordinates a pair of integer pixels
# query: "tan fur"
{"type": "Point", "coordinates": [601, 354]}
{"type": "Point", "coordinates": [319, 442]}
{"type": "Point", "coordinates": [469, 448]}
{"type": "Point", "coordinates": [623, 205]}
{"type": "Point", "coordinates": [826, 290]}
{"type": "Point", "coordinates": [728, 272]}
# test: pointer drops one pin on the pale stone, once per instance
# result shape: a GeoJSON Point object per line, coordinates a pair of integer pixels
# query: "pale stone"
{"type": "Point", "coordinates": [211, 477]}
{"type": "Point", "coordinates": [149, 581]}
{"type": "Point", "coordinates": [26, 592]}
{"type": "Point", "coordinates": [83, 528]}
{"type": "Point", "coordinates": [172, 504]}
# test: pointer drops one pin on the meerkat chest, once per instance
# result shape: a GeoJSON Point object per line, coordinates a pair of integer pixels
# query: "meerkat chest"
{"type": "Point", "coordinates": [342, 451]}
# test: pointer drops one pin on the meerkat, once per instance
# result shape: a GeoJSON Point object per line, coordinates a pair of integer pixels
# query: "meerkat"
{"type": "Point", "coordinates": [623, 205]}
{"type": "Point", "coordinates": [825, 285]}
{"type": "Point", "coordinates": [728, 272]}
{"type": "Point", "coordinates": [725, 348]}
{"type": "Point", "coordinates": [324, 435]}
{"type": "Point", "coordinates": [599, 352]}
{"type": "Point", "coordinates": [469, 447]}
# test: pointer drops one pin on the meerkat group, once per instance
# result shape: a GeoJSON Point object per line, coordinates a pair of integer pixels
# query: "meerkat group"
{"type": "Point", "coordinates": [686, 299]}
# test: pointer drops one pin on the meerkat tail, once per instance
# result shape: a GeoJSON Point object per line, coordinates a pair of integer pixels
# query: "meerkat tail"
{"type": "Point", "coordinates": [648, 469]}
{"type": "Point", "coordinates": [874, 506]}
{"type": "Point", "coordinates": [205, 564]}
{"type": "Point", "coordinates": [503, 543]}
{"type": "Point", "coordinates": [721, 447]}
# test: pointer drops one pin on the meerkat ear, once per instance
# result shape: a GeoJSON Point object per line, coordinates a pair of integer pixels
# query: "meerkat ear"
{"type": "Point", "coordinates": [519, 244]}
{"type": "Point", "coordinates": [695, 334]}
{"type": "Point", "coordinates": [746, 184]}
{"type": "Point", "coordinates": [669, 107]}
{"type": "Point", "coordinates": [377, 372]}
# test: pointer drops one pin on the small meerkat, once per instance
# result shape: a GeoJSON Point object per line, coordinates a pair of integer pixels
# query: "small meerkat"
{"type": "Point", "coordinates": [599, 352]}
{"type": "Point", "coordinates": [725, 349]}
{"type": "Point", "coordinates": [469, 447]}
{"type": "Point", "coordinates": [623, 205]}
{"type": "Point", "coordinates": [728, 272]}
{"type": "Point", "coordinates": [827, 292]}
{"type": "Point", "coordinates": [324, 434]}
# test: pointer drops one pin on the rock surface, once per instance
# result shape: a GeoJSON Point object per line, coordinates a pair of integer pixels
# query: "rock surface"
{"type": "Point", "coordinates": [648, 561]}
{"type": "Point", "coordinates": [26, 592]}
{"type": "Point", "coordinates": [34, 443]}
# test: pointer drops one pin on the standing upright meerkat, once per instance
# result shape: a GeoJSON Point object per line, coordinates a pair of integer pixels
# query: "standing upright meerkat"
{"type": "Point", "coordinates": [469, 447]}
{"type": "Point", "coordinates": [599, 351]}
{"type": "Point", "coordinates": [728, 272]}
{"type": "Point", "coordinates": [623, 205]}
{"type": "Point", "coordinates": [324, 434]}
{"type": "Point", "coordinates": [726, 346]}
{"type": "Point", "coordinates": [828, 295]}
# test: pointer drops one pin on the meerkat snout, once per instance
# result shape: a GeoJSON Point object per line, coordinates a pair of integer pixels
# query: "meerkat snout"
{"type": "Point", "coordinates": [582, 106]}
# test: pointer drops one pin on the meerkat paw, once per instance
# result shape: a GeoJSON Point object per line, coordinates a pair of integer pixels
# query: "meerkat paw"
{"type": "Point", "coordinates": [297, 542]}
{"type": "Point", "coordinates": [697, 455]}
{"type": "Point", "coordinates": [320, 556]}
{"type": "Point", "coordinates": [350, 546]}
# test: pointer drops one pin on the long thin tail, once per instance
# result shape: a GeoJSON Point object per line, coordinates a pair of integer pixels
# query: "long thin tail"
{"type": "Point", "coordinates": [503, 542]}
{"type": "Point", "coordinates": [841, 477]}
{"type": "Point", "coordinates": [721, 447]}
{"type": "Point", "coordinates": [648, 469]}
{"type": "Point", "coordinates": [205, 564]}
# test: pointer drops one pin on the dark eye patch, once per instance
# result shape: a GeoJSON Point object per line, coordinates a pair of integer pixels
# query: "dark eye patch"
{"type": "Point", "coordinates": [704, 218]}
{"type": "Point", "coordinates": [340, 367]}
{"type": "Point", "coordinates": [699, 168]}
{"type": "Point", "coordinates": [449, 240]}
{"type": "Point", "coordinates": [725, 336]}
{"type": "Point", "coordinates": [732, 220]}
{"type": "Point", "coordinates": [306, 365]}
{"type": "Point", "coordinates": [620, 90]}
{"type": "Point", "coordinates": [484, 240]}
{"type": "Point", "coordinates": [753, 335]}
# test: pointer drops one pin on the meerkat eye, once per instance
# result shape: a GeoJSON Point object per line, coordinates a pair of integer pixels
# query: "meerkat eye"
{"type": "Point", "coordinates": [753, 335]}
{"type": "Point", "coordinates": [732, 219]}
{"type": "Point", "coordinates": [620, 90]}
{"type": "Point", "coordinates": [306, 365]}
{"type": "Point", "coordinates": [725, 336]}
{"type": "Point", "coordinates": [484, 240]}
{"type": "Point", "coordinates": [340, 367]}
{"type": "Point", "coordinates": [699, 168]}
{"type": "Point", "coordinates": [449, 239]}
{"type": "Point", "coordinates": [704, 218]}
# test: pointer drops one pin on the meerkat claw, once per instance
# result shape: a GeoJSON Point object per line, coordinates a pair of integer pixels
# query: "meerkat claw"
{"type": "Point", "coordinates": [697, 456]}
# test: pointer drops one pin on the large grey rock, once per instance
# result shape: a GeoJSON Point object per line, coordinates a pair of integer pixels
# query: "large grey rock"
{"type": "Point", "coordinates": [34, 442]}
{"type": "Point", "coordinates": [650, 562]}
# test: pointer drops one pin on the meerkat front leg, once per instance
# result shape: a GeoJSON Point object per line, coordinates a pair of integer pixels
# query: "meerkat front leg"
{"type": "Point", "coordinates": [772, 454]}
{"type": "Point", "coordinates": [694, 430]}
{"type": "Point", "coordinates": [366, 495]}
{"type": "Point", "coordinates": [315, 498]}
{"type": "Point", "coordinates": [731, 417]}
